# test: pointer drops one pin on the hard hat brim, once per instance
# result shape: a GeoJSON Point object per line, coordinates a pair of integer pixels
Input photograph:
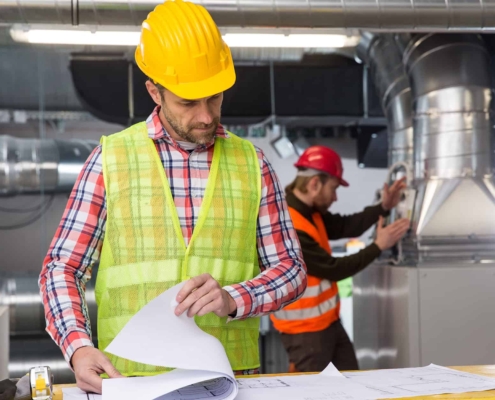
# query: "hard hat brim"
{"type": "Point", "coordinates": [196, 90]}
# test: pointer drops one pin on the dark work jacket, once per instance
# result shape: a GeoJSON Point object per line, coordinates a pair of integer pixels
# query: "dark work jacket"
{"type": "Point", "coordinates": [318, 262]}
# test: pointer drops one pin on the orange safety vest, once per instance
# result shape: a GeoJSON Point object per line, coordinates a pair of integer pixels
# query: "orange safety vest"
{"type": "Point", "coordinates": [319, 306]}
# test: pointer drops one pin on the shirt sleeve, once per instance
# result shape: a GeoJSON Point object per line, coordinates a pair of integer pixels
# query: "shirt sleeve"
{"type": "Point", "coordinates": [73, 251]}
{"type": "Point", "coordinates": [283, 273]}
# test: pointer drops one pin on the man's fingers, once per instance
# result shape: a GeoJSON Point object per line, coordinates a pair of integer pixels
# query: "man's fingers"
{"type": "Point", "coordinates": [398, 185]}
{"type": "Point", "coordinates": [208, 285]}
{"type": "Point", "coordinates": [110, 370]}
{"type": "Point", "coordinates": [90, 382]}
{"type": "Point", "coordinates": [202, 302]}
{"type": "Point", "coordinates": [191, 285]}
{"type": "Point", "coordinates": [215, 306]}
{"type": "Point", "coordinates": [190, 300]}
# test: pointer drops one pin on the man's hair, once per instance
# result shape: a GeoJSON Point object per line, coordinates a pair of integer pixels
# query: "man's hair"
{"type": "Point", "coordinates": [301, 182]}
{"type": "Point", "coordinates": [160, 88]}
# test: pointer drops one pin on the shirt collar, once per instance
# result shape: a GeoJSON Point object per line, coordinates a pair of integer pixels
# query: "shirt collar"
{"type": "Point", "coordinates": [301, 207]}
{"type": "Point", "coordinates": [156, 130]}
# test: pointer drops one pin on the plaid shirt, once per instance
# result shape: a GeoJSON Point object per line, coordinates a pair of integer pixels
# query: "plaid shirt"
{"type": "Point", "coordinates": [78, 240]}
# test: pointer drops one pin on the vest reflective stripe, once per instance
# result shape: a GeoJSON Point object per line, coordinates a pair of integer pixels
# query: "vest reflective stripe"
{"type": "Point", "coordinates": [144, 252]}
{"type": "Point", "coordinates": [319, 306]}
{"type": "Point", "coordinates": [306, 313]}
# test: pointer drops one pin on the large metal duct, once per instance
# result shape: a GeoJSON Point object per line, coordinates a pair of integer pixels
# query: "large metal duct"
{"type": "Point", "coordinates": [455, 208]}
{"type": "Point", "coordinates": [27, 317]}
{"type": "Point", "coordinates": [441, 295]}
{"type": "Point", "coordinates": [384, 59]}
{"type": "Point", "coordinates": [34, 165]}
{"type": "Point", "coordinates": [29, 343]}
{"type": "Point", "coordinates": [367, 14]}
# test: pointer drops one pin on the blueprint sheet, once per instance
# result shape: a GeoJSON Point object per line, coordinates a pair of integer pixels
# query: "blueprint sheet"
{"type": "Point", "coordinates": [410, 382]}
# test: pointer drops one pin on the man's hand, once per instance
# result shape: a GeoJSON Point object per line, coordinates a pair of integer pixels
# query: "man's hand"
{"type": "Point", "coordinates": [391, 195]}
{"type": "Point", "coordinates": [202, 295]}
{"type": "Point", "coordinates": [390, 235]}
{"type": "Point", "coordinates": [88, 364]}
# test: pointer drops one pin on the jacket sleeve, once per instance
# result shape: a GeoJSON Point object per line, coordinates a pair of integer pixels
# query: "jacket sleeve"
{"type": "Point", "coordinates": [322, 265]}
{"type": "Point", "coordinates": [348, 226]}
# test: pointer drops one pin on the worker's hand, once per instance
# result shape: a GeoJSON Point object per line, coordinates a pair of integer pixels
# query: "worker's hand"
{"type": "Point", "coordinates": [391, 234]}
{"type": "Point", "coordinates": [88, 364]}
{"type": "Point", "coordinates": [202, 295]}
{"type": "Point", "coordinates": [391, 195]}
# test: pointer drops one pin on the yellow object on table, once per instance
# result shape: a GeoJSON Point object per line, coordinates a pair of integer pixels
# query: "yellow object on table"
{"type": "Point", "coordinates": [485, 370]}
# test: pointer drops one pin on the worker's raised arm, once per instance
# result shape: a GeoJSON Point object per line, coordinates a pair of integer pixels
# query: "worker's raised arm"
{"type": "Point", "coordinates": [347, 226]}
{"type": "Point", "coordinates": [354, 225]}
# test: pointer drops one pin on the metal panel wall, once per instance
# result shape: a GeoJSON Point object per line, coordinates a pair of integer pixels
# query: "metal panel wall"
{"type": "Point", "coordinates": [457, 309]}
{"type": "Point", "coordinates": [386, 317]}
{"type": "Point", "coordinates": [408, 316]}
{"type": "Point", "coordinates": [4, 343]}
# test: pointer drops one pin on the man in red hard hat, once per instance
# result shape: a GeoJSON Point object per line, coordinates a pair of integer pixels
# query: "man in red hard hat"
{"type": "Point", "coordinates": [310, 328]}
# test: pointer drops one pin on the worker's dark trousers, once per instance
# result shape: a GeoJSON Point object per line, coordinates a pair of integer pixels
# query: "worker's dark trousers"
{"type": "Point", "coordinates": [313, 351]}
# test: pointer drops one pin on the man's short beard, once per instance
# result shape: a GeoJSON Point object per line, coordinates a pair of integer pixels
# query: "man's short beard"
{"type": "Point", "coordinates": [186, 133]}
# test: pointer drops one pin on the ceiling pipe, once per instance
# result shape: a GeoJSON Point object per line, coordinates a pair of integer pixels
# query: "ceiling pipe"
{"type": "Point", "coordinates": [400, 15]}
{"type": "Point", "coordinates": [32, 166]}
{"type": "Point", "coordinates": [381, 54]}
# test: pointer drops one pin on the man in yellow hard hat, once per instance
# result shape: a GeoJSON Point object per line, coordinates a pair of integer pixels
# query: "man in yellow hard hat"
{"type": "Point", "coordinates": [172, 199]}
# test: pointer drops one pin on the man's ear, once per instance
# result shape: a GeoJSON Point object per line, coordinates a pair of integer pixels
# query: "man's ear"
{"type": "Point", "coordinates": [154, 92]}
{"type": "Point", "coordinates": [314, 184]}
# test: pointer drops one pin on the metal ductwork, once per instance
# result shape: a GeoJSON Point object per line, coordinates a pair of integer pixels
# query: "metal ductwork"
{"type": "Point", "coordinates": [29, 344]}
{"type": "Point", "coordinates": [410, 15]}
{"type": "Point", "coordinates": [27, 317]}
{"type": "Point", "coordinates": [381, 54]}
{"type": "Point", "coordinates": [448, 268]}
{"type": "Point", "coordinates": [454, 214]}
{"type": "Point", "coordinates": [29, 166]}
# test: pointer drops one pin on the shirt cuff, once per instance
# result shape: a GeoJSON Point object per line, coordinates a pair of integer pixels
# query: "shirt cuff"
{"type": "Point", "coordinates": [72, 341]}
{"type": "Point", "coordinates": [243, 300]}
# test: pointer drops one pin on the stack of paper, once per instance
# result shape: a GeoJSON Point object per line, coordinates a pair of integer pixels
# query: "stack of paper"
{"type": "Point", "coordinates": [156, 336]}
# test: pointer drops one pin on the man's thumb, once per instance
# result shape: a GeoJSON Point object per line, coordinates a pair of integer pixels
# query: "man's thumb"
{"type": "Point", "coordinates": [111, 370]}
{"type": "Point", "coordinates": [380, 223]}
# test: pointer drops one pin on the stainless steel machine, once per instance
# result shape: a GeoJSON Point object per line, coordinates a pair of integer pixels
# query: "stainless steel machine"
{"type": "Point", "coordinates": [434, 300]}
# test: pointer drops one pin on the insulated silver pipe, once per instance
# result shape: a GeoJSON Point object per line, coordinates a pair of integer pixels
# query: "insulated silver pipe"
{"type": "Point", "coordinates": [412, 15]}
{"type": "Point", "coordinates": [454, 213]}
{"type": "Point", "coordinates": [27, 316]}
{"type": "Point", "coordinates": [28, 353]}
{"type": "Point", "coordinates": [33, 165]}
{"type": "Point", "coordinates": [451, 84]}
{"type": "Point", "coordinates": [381, 54]}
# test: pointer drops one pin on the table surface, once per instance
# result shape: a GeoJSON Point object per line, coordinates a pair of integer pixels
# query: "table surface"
{"type": "Point", "coordinates": [486, 370]}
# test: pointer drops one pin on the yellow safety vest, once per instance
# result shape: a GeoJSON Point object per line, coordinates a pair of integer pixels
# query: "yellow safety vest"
{"type": "Point", "coordinates": [144, 252]}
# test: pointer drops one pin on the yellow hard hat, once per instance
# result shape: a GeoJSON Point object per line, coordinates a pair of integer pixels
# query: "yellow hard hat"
{"type": "Point", "coordinates": [182, 49]}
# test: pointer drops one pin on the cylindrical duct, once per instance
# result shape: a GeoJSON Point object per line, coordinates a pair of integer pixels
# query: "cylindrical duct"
{"type": "Point", "coordinates": [383, 57]}
{"type": "Point", "coordinates": [366, 14]}
{"type": "Point", "coordinates": [451, 88]}
{"type": "Point", "coordinates": [28, 353]}
{"type": "Point", "coordinates": [33, 165]}
{"type": "Point", "coordinates": [27, 317]}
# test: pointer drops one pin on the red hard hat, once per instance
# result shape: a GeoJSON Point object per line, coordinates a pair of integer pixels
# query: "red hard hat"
{"type": "Point", "coordinates": [322, 159]}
